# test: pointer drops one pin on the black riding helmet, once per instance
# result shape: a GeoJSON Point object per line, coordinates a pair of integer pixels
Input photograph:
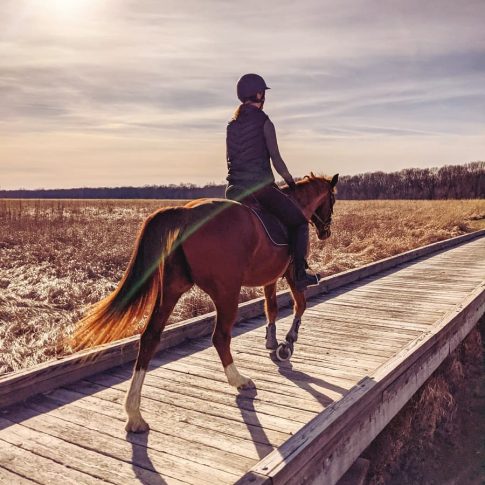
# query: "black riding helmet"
{"type": "Point", "coordinates": [249, 85]}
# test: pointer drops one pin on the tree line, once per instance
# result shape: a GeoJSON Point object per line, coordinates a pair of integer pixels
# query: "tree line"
{"type": "Point", "coordinates": [449, 182]}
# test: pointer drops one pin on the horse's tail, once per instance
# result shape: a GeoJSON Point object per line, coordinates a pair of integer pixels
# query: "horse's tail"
{"type": "Point", "coordinates": [119, 314]}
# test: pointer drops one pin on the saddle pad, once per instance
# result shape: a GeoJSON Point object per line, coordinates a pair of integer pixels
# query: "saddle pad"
{"type": "Point", "coordinates": [275, 229]}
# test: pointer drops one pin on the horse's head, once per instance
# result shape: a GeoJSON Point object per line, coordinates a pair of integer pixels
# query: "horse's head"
{"type": "Point", "coordinates": [317, 197]}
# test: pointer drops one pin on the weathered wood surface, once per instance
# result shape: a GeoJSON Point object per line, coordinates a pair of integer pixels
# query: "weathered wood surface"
{"type": "Point", "coordinates": [364, 349]}
{"type": "Point", "coordinates": [18, 386]}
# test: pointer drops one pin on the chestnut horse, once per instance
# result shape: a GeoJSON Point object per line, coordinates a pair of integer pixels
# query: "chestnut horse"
{"type": "Point", "coordinates": [216, 244]}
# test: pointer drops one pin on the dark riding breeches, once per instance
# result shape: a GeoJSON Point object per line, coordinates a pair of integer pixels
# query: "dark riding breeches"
{"type": "Point", "coordinates": [283, 207]}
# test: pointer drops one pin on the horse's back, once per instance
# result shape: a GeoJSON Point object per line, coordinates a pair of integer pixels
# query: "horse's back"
{"type": "Point", "coordinates": [221, 220]}
{"type": "Point", "coordinates": [227, 242]}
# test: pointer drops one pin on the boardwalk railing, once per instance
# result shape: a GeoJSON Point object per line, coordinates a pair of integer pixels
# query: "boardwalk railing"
{"type": "Point", "coordinates": [323, 450]}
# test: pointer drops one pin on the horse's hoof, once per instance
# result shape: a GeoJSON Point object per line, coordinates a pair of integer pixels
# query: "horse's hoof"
{"type": "Point", "coordinates": [137, 426]}
{"type": "Point", "coordinates": [247, 385]}
{"type": "Point", "coordinates": [283, 352]}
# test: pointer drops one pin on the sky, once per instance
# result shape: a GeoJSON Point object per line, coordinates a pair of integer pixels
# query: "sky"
{"type": "Point", "coordinates": [139, 92]}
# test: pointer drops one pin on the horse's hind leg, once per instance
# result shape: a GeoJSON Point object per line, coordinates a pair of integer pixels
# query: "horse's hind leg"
{"type": "Point", "coordinates": [175, 284]}
{"type": "Point", "coordinates": [271, 310]}
{"type": "Point", "coordinates": [226, 308]}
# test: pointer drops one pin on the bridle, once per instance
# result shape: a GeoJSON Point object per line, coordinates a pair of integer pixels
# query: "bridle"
{"type": "Point", "coordinates": [321, 225]}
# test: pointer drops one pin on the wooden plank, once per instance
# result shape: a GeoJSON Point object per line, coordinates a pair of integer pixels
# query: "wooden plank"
{"type": "Point", "coordinates": [8, 477]}
{"type": "Point", "coordinates": [185, 384]}
{"type": "Point", "coordinates": [405, 297]}
{"type": "Point", "coordinates": [320, 357]}
{"type": "Point", "coordinates": [316, 348]}
{"type": "Point", "coordinates": [231, 410]}
{"type": "Point", "coordinates": [17, 386]}
{"type": "Point", "coordinates": [326, 447]}
{"type": "Point", "coordinates": [387, 285]}
{"type": "Point", "coordinates": [370, 309]}
{"type": "Point", "coordinates": [214, 433]}
{"type": "Point", "coordinates": [350, 276]}
{"type": "Point", "coordinates": [380, 300]}
{"type": "Point", "coordinates": [406, 282]}
{"type": "Point", "coordinates": [78, 458]}
{"type": "Point", "coordinates": [250, 364]}
{"type": "Point", "coordinates": [314, 326]}
{"type": "Point", "coordinates": [327, 317]}
{"type": "Point", "coordinates": [363, 324]}
{"type": "Point", "coordinates": [24, 463]}
{"type": "Point", "coordinates": [208, 397]}
{"type": "Point", "coordinates": [316, 353]}
{"type": "Point", "coordinates": [430, 278]}
{"type": "Point", "coordinates": [122, 452]}
{"type": "Point", "coordinates": [395, 304]}
{"type": "Point", "coordinates": [276, 390]}
{"type": "Point", "coordinates": [151, 407]}
{"type": "Point", "coordinates": [186, 449]}
{"type": "Point", "coordinates": [323, 342]}
{"type": "Point", "coordinates": [366, 306]}
{"type": "Point", "coordinates": [323, 390]}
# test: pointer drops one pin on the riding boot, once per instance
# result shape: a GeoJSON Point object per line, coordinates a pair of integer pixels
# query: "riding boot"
{"type": "Point", "coordinates": [302, 277]}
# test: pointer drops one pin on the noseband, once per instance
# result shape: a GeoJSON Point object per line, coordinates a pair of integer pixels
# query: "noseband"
{"type": "Point", "coordinates": [325, 225]}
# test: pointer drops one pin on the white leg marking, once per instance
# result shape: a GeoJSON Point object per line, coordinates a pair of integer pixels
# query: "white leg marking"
{"type": "Point", "coordinates": [135, 423]}
{"type": "Point", "coordinates": [236, 379]}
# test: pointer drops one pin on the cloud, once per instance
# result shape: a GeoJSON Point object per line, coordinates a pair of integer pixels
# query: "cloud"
{"type": "Point", "coordinates": [160, 75]}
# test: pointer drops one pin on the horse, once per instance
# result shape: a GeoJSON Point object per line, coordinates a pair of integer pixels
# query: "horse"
{"type": "Point", "coordinates": [218, 245]}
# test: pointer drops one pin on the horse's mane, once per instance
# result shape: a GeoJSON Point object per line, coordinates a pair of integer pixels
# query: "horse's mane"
{"type": "Point", "coordinates": [312, 176]}
{"type": "Point", "coordinates": [309, 187]}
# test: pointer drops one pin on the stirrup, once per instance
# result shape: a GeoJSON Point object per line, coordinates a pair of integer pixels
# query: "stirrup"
{"type": "Point", "coordinates": [307, 280]}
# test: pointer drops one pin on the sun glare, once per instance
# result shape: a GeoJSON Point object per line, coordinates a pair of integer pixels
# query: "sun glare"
{"type": "Point", "coordinates": [66, 10]}
{"type": "Point", "coordinates": [69, 7]}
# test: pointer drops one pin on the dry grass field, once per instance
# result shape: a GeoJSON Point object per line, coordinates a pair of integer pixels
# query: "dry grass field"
{"type": "Point", "coordinates": [59, 256]}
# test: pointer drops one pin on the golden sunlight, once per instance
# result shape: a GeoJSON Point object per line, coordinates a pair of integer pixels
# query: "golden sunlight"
{"type": "Point", "coordinates": [69, 11]}
{"type": "Point", "coordinates": [68, 7]}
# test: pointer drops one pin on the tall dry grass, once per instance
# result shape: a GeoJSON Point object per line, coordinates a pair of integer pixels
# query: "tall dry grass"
{"type": "Point", "coordinates": [59, 256]}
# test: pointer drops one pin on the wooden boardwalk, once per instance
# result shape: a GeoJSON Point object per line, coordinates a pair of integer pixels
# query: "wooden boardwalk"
{"type": "Point", "coordinates": [356, 341]}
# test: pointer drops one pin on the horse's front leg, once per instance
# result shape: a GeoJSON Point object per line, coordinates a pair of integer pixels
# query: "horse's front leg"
{"type": "Point", "coordinates": [285, 350]}
{"type": "Point", "coordinates": [226, 309]}
{"type": "Point", "coordinates": [298, 309]}
{"type": "Point", "coordinates": [271, 310]}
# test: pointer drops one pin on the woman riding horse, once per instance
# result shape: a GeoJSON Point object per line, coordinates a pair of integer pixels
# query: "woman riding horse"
{"type": "Point", "coordinates": [219, 246]}
{"type": "Point", "coordinates": [251, 142]}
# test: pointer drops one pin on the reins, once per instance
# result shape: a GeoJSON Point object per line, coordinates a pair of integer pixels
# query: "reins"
{"type": "Point", "coordinates": [325, 224]}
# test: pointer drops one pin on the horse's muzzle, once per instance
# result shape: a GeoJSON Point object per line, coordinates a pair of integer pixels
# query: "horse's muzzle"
{"type": "Point", "coordinates": [324, 234]}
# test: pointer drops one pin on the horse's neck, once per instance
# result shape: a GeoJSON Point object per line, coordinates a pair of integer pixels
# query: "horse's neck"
{"type": "Point", "coordinates": [309, 199]}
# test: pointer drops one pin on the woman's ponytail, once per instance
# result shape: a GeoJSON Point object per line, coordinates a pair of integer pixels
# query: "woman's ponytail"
{"type": "Point", "coordinates": [236, 114]}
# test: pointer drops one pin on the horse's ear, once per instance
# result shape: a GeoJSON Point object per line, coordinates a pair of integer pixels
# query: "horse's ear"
{"type": "Point", "coordinates": [334, 181]}
{"type": "Point", "coordinates": [312, 175]}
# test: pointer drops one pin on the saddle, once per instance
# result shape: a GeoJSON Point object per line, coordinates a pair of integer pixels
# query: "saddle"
{"type": "Point", "coordinates": [277, 232]}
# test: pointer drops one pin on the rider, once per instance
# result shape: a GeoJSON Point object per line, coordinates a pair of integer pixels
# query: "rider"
{"type": "Point", "coordinates": [251, 142]}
